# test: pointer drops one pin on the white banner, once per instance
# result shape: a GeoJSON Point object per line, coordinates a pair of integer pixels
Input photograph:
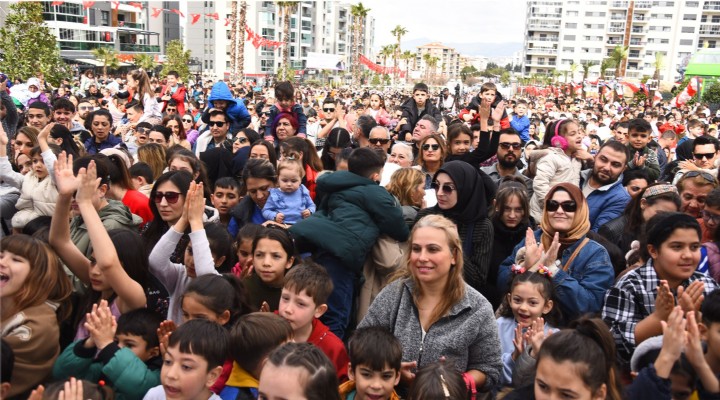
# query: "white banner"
{"type": "Point", "coordinates": [326, 61]}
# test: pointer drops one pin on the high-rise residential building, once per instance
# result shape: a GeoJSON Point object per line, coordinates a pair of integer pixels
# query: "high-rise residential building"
{"type": "Point", "coordinates": [323, 26]}
{"type": "Point", "coordinates": [126, 28]}
{"type": "Point", "coordinates": [447, 65]}
{"type": "Point", "coordinates": [660, 34]}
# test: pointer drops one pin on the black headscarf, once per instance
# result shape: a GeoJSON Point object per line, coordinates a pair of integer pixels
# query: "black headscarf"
{"type": "Point", "coordinates": [471, 202]}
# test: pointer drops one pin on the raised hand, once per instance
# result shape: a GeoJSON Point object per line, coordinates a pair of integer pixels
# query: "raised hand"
{"type": "Point", "coordinates": [406, 371]}
{"type": "Point", "coordinates": [65, 181]}
{"type": "Point", "coordinates": [196, 206]}
{"type": "Point", "coordinates": [691, 299]}
{"type": "Point", "coordinates": [639, 160]}
{"type": "Point", "coordinates": [45, 132]}
{"type": "Point", "coordinates": [536, 335]}
{"type": "Point", "coordinates": [102, 325]}
{"type": "Point", "coordinates": [73, 390]}
{"type": "Point", "coordinates": [89, 183]}
{"type": "Point", "coordinates": [664, 301]}
{"type": "Point", "coordinates": [497, 112]}
{"type": "Point", "coordinates": [484, 110]}
{"type": "Point", "coordinates": [166, 329]}
{"type": "Point", "coordinates": [533, 250]}
{"type": "Point", "coordinates": [674, 338]}
{"type": "Point", "coordinates": [552, 252]}
{"type": "Point", "coordinates": [518, 342]}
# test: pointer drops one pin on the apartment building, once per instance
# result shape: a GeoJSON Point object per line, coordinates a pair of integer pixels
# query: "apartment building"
{"type": "Point", "coordinates": [448, 64]}
{"type": "Point", "coordinates": [563, 32]}
{"type": "Point", "coordinates": [322, 26]}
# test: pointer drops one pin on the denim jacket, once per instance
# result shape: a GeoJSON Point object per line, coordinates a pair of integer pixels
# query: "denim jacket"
{"type": "Point", "coordinates": [582, 287]}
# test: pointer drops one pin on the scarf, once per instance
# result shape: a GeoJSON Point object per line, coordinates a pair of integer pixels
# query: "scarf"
{"type": "Point", "coordinates": [34, 82]}
{"type": "Point", "coordinates": [581, 219]}
{"type": "Point", "coordinates": [471, 203]}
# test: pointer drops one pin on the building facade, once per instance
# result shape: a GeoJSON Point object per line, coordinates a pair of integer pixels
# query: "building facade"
{"type": "Point", "coordinates": [657, 34]}
{"type": "Point", "coordinates": [448, 64]}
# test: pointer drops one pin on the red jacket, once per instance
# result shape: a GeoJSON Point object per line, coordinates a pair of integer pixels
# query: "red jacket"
{"type": "Point", "coordinates": [504, 122]}
{"type": "Point", "coordinates": [178, 96]}
{"type": "Point", "coordinates": [311, 180]}
{"type": "Point", "coordinates": [332, 346]}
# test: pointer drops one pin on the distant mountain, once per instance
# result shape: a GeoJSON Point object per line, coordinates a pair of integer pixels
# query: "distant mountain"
{"type": "Point", "coordinates": [505, 49]}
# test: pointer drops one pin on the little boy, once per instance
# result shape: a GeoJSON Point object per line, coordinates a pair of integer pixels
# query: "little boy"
{"type": "Point", "coordinates": [488, 92]}
{"type": "Point", "coordinates": [639, 135]}
{"type": "Point", "coordinates": [354, 213]}
{"type": "Point", "coordinates": [252, 338]}
{"type": "Point", "coordinates": [225, 196]}
{"type": "Point", "coordinates": [192, 362]}
{"type": "Point", "coordinates": [126, 357]}
{"type": "Point", "coordinates": [520, 121]}
{"type": "Point", "coordinates": [141, 176]}
{"type": "Point", "coordinates": [415, 108]}
{"type": "Point", "coordinates": [375, 356]}
{"type": "Point", "coordinates": [285, 95]}
{"type": "Point", "coordinates": [303, 300]}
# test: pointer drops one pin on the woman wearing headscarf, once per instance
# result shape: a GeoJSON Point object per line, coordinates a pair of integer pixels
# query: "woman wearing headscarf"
{"type": "Point", "coordinates": [461, 198]}
{"type": "Point", "coordinates": [579, 267]}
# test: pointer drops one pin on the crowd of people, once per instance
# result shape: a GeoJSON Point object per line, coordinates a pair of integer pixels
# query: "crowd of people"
{"type": "Point", "coordinates": [217, 241]}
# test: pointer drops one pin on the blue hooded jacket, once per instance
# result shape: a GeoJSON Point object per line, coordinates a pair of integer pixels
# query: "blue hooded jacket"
{"type": "Point", "coordinates": [239, 116]}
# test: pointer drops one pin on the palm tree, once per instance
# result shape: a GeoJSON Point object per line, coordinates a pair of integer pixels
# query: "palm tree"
{"type": "Point", "coordinates": [385, 52]}
{"type": "Point", "coordinates": [618, 57]}
{"type": "Point", "coordinates": [398, 32]}
{"type": "Point", "coordinates": [658, 63]}
{"type": "Point", "coordinates": [604, 65]}
{"type": "Point", "coordinates": [586, 65]}
{"type": "Point", "coordinates": [146, 62]}
{"type": "Point", "coordinates": [573, 70]}
{"type": "Point", "coordinates": [240, 53]}
{"type": "Point", "coordinates": [107, 56]}
{"type": "Point", "coordinates": [407, 55]}
{"type": "Point", "coordinates": [287, 8]}
{"type": "Point", "coordinates": [233, 40]}
{"type": "Point", "coordinates": [359, 12]}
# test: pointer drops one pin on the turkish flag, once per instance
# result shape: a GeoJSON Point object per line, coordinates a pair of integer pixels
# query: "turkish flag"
{"type": "Point", "coordinates": [136, 5]}
{"type": "Point", "coordinates": [214, 16]}
{"type": "Point", "coordinates": [116, 5]}
{"type": "Point", "coordinates": [227, 21]}
{"type": "Point", "coordinates": [178, 12]}
{"type": "Point", "coordinates": [56, 3]}
{"type": "Point", "coordinates": [156, 12]}
{"type": "Point", "coordinates": [195, 18]}
{"type": "Point", "coordinates": [88, 4]}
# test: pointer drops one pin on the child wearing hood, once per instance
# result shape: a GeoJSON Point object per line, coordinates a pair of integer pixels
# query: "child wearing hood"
{"type": "Point", "coordinates": [35, 92]}
{"type": "Point", "coordinates": [222, 99]}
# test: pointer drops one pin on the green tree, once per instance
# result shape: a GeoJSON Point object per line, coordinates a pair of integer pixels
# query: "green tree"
{"type": "Point", "coordinates": [146, 62]}
{"type": "Point", "coordinates": [586, 65]}
{"type": "Point", "coordinates": [107, 56]}
{"type": "Point", "coordinates": [178, 59]}
{"type": "Point", "coordinates": [604, 65]}
{"type": "Point", "coordinates": [618, 57]}
{"type": "Point", "coordinates": [387, 51]}
{"type": "Point", "coordinates": [287, 8]}
{"type": "Point", "coordinates": [407, 56]}
{"type": "Point", "coordinates": [491, 65]}
{"type": "Point", "coordinates": [359, 12]}
{"type": "Point", "coordinates": [398, 32]}
{"type": "Point", "coordinates": [468, 71]}
{"type": "Point", "coordinates": [28, 47]}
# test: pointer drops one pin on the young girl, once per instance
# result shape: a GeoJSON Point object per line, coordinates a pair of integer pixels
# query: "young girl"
{"type": "Point", "coordinates": [290, 202]}
{"type": "Point", "coordinates": [120, 283]}
{"type": "Point", "coordinates": [638, 303]}
{"type": "Point", "coordinates": [273, 253]}
{"type": "Point", "coordinates": [579, 361]}
{"type": "Point", "coordinates": [199, 256]}
{"type": "Point", "coordinates": [377, 110]}
{"type": "Point", "coordinates": [245, 238]}
{"type": "Point", "coordinates": [32, 287]}
{"type": "Point", "coordinates": [139, 82]}
{"type": "Point", "coordinates": [438, 381]}
{"type": "Point", "coordinates": [529, 299]}
{"type": "Point", "coordinates": [297, 371]}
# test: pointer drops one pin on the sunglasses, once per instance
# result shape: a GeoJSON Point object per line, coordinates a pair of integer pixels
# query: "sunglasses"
{"type": "Point", "coordinates": [219, 124]}
{"type": "Point", "coordinates": [251, 108]}
{"type": "Point", "coordinates": [445, 188]}
{"type": "Point", "coordinates": [329, 109]}
{"type": "Point", "coordinates": [171, 110]}
{"type": "Point", "coordinates": [85, 108]}
{"type": "Point", "coordinates": [143, 131]}
{"type": "Point", "coordinates": [700, 156]}
{"type": "Point", "coordinates": [378, 141]}
{"type": "Point", "coordinates": [170, 197]}
{"type": "Point", "coordinates": [189, 121]}
{"type": "Point", "coordinates": [567, 206]}
{"type": "Point", "coordinates": [428, 146]}
{"type": "Point", "coordinates": [241, 140]}
{"type": "Point", "coordinates": [507, 146]}
{"type": "Point", "coordinates": [701, 174]}
{"type": "Point", "coordinates": [266, 113]}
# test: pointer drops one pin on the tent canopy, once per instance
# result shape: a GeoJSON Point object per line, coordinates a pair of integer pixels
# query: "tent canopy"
{"type": "Point", "coordinates": [705, 62]}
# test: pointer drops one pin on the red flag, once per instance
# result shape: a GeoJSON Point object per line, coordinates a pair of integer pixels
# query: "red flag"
{"type": "Point", "coordinates": [214, 16]}
{"type": "Point", "coordinates": [85, 20]}
{"type": "Point", "coordinates": [632, 87]}
{"type": "Point", "coordinates": [227, 21]}
{"type": "Point", "coordinates": [256, 41]}
{"type": "Point", "coordinates": [136, 5]}
{"type": "Point", "coordinates": [116, 5]}
{"type": "Point", "coordinates": [88, 4]}
{"type": "Point", "coordinates": [56, 3]}
{"type": "Point", "coordinates": [250, 34]}
{"type": "Point", "coordinates": [195, 18]}
{"type": "Point", "coordinates": [121, 23]}
{"type": "Point", "coordinates": [156, 12]}
{"type": "Point", "coordinates": [178, 12]}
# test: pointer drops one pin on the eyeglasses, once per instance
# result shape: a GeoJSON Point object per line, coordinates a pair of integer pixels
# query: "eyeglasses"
{"type": "Point", "coordinates": [701, 174]}
{"type": "Point", "coordinates": [567, 206]}
{"type": "Point", "coordinates": [219, 124]}
{"type": "Point", "coordinates": [378, 141]}
{"type": "Point", "coordinates": [170, 197]}
{"type": "Point", "coordinates": [328, 109]}
{"type": "Point", "coordinates": [700, 156]}
{"type": "Point", "coordinates": [189, 121]}
{"type": "Point", "coordinates": [427, 146]}
{"type": "Point", "coordinates": [708, 216]}
{"type": "Point", "coordinates": [83, 108]}
{"type": "Point", "coordinates": [445, 188]}
{"type": "Point", "coordinates": [507, 146]}
{"type": "Point", "coordinates": [171, 110]}
{"type": "Point", "coordinates": [142, 131]}
{"type": "Point", "coordinates": [241, 140]}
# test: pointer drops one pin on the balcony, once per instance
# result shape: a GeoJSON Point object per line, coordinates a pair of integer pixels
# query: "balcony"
{"type": "Point", "coordinates": [711, 6]}
{"type": "Point", "coordinates": [618, 18]}
{"type": "Point", "coordinates": [616, 29]}
{"type": "Point", "coordinates": [131, 25]}
{"type": "Point", "coordinates": [709, 30]}
{"type": "Point", "coordinates": [639, 31]}
{"type": "Point", "coordinates": [555, 16]}
{"type": "Point", "coordinates": [619, 4]}
{"type": "Point", "coordinates": [543, 27]}
{"type": "Point", "coordinates": [633, 54]}
{"type": "Point", "coordinates": [66, 45]}
{"type": "Point", "coordinates": [540, 50]}
{"type": "Point", "coordinates": [544, 39]}
{"type": "Point", "coordinates": [640, 19]}
{"type": "Point", "coordinates": [615, 42]}
{"type": "Point", "coordinates": [637, 43]}
{"type": "Point", "coordinates": [139, 48]}
{"type": "Point", "coordinates": [643, 5]}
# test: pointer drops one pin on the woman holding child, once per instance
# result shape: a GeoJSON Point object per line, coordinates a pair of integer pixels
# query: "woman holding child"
{"type": "Point", "coordinates": [434, 313]}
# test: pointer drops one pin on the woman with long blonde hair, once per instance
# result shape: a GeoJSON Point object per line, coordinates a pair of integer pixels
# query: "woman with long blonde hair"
{"type": "Point", "coordinates": [153, 154]}
{"type": "Point", "coordinates": [408, 187]}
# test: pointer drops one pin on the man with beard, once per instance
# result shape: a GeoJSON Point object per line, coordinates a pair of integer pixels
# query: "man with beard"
{"type": "Point", "coordinates": [508, 158]}
{"type": "Point", "coordinates": [84, 108]}
{"type": "Point", "coordinates": [602, 185]}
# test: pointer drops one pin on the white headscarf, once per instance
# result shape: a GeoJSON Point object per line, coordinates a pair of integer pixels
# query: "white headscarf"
{"type": "Point", "coordinates": [34, 82]}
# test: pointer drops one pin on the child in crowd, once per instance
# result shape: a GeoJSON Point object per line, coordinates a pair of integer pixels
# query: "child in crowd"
{"type": "Point", "coordinates": [374, 370]}
{"type": "Point", "coordinates": [642, 299]}
{"type": "Point", "coordinates": [142, 178]}
{"type": "Point", "coordinates": [273, 253]}
{"type": "Point", "coordinates": [529, 300]}
{"type": "Point", "coordinates": [414, 109]}
{"type": "Point", "coordinates": [207, 250]}
{"type": "Point", "coordinates": [488, 91]}
{"type": "Point", "coordinates": [639, 135]}
{"type": "Point", "coordinates": [291, 201]}
{"type": "Point", "coordinates": [252, 338]}
{"type": "Point", "coordinates": [303, 300]}
{"type": "Point", "coordinates": [131, 365]}
{"type": "Point", "coordinates": [297, 371]}
{"type": "Point", "coordinates": [520, 122]}
{"type": "Point", "coordinates": [245, 238]}
{"type": "Point", "coordinates": [74, 389]}
{"type": "Point", "coordinates": [218, 298]}
{"type": "Point", "coordinates": [284, 93]}
{"type": "Point", "coordinates": [438, 381]}
{"type": "Point", "coordinates": [192, 362]}
{"type": "Point", "coordinates": [225, 196]}
{"type": "Point", "coordinates": [39, 194]}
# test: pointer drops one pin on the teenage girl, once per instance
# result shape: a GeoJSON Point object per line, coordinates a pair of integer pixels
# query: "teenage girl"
{"type": "Point", "coordinates": [529, 300]}
{"type": "Point", "coordinates": [298, 371]}
{"type": "Point", "coordinates": [208, 249]}
{"type": "Point", "coordinates": [107, 276]}
{"type": "Point", "coordinates": [32, 287]}
{"type": "Point", "coordinates": [273, 253]}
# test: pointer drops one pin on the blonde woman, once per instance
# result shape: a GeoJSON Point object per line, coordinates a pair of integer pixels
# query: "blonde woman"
{"type": "Point", "coordinates": [408, 187]}
{"type": "Point", "coordinates": [153, 154]}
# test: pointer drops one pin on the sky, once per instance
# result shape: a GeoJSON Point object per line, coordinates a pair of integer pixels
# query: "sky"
{"type": "Point", "coordinates": [449, 21]}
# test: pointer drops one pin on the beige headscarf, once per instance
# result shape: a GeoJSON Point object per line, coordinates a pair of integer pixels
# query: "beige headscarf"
{"type": "Point", "coordinates": [581, 220]}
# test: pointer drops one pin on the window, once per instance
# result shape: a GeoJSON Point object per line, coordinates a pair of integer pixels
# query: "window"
{"type": "Point", "coordinates": [692, 4]}
{"type": "Point", "coordinates": [715, 19]}
{"type": "Point", "coordinates": [688, 29]}
{"type": "Point", "coordinates": [572, 13]}
{"type": "Point", "coordinates": [569, 37]}
{"type": "Point", "coordinates": [594, 14]}
{"type": "Point", "coordinates": [664, 41]}
{"type": "Point", "coordinates": [686, 42]}
{"type": "Point", "coordinates": [571, 25]}
{"type": "Point", "coordinates": [568, 49]}
{"type": "Point", "coordinates": [689, 17]}
{"type": "Point", "coordinates": [105, 18]}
